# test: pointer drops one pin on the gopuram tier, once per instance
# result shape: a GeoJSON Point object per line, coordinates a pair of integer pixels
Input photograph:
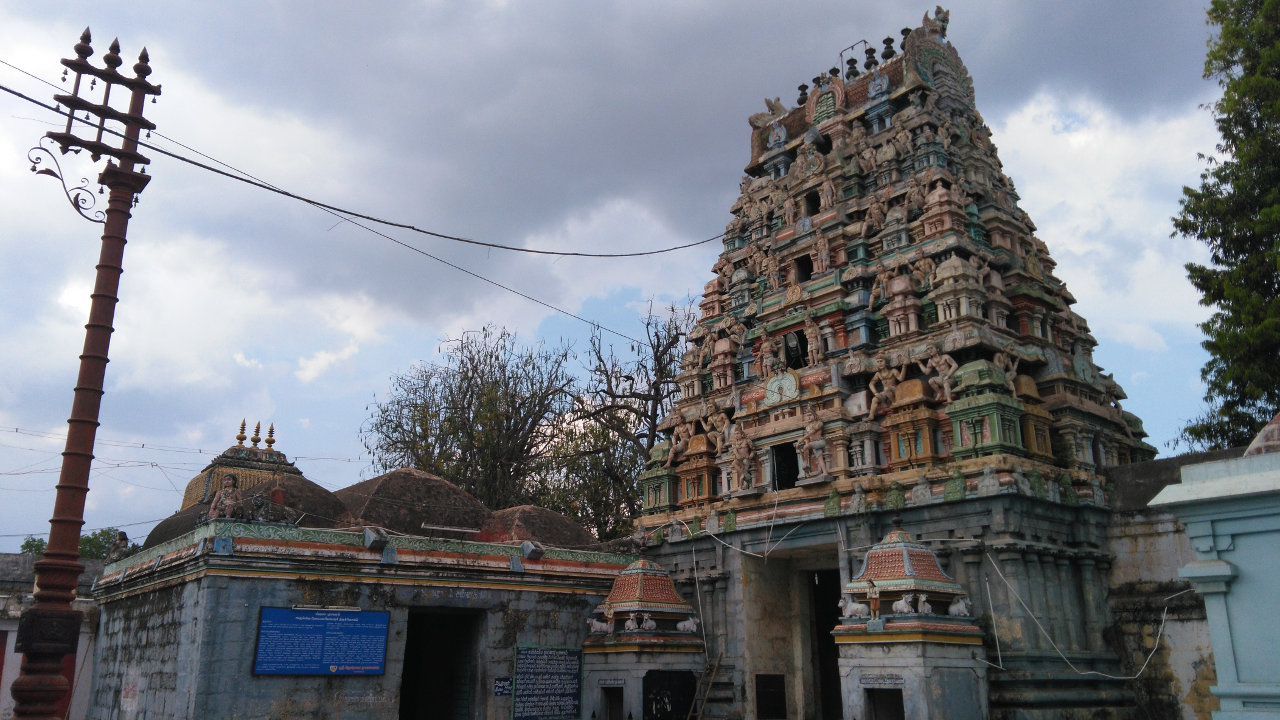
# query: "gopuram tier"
{"type": "Point", "coordinates": [883, 321]}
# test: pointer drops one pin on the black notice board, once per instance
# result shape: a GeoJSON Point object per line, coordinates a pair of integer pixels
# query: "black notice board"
{"type": "Point", "coordinates": [548, 683]}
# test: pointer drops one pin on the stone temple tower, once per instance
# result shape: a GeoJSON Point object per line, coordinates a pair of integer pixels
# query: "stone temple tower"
{"type": "Point", "coordinates": [885, 336]}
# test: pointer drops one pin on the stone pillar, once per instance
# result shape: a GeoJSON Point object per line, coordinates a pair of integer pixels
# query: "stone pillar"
{"type": "Point", "coordinates": [763, 478]}
{"type": "Point", "coordinates": [1070, 600]}
{"type": "Point", "coordinates": [840, 454]}
{"type": "Point", "coordinates": [715, 633]}
{"type": "Point", "coordinates": [1089, 598]}
{"type": "Point", "coordinates": [1056, 588]}
{"type": "Point", "coordinates": [972, 564]}
{"type": "Point", "coordinates": [1008, 615]}
{"type": "Point", "coordinates": [1035, 596]}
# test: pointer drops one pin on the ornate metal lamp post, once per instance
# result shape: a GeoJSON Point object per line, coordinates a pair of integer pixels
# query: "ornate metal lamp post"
{"type": "Point", "coordinates": [50, 628]}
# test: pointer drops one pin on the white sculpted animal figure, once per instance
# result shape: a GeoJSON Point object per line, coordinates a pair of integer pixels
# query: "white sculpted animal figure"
{"type": "Point", "coordinates": [959, 607]}
{"type": "Point", "coordinates": [689, 626]}
{"type": "Point", "coordinates": [852, 608]}
{"type": "Point", "coordinates": [648, 623]}
{"type": "Point", "coordinates": [599, 626]}
{"type": "Point", "coordinates": [631, 625]}
{"type": "Point", "coordinates": [922, 604]}
{"type": "Point", "coordinates": [903, 606]}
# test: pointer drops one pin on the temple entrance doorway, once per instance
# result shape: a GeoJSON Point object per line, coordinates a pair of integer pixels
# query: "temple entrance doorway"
{"type": "Point", "coordinates": [439, 665]}
{"type": "Point", "coordinates": [885, 705]}
{"type": "Point", "coordinates": [824, 592]}
{"type": "Point", "coordinates": [611, 701]}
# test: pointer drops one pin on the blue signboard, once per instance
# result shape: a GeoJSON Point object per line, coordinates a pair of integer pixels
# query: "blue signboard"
{"type": "Point", "coordinates": [548, 683]}
{"type": "Point", "coordinates": [320, 642]}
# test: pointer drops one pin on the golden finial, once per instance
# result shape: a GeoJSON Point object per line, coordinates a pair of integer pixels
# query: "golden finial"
{"type": "Point", "coordinates": [255, 439]}
{"type": "Point", "coordinates": [240, 437]}
{"type": "Point", "coordinates": [271, 435]}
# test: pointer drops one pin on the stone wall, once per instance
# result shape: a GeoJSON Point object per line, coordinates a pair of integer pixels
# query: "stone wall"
{"type": "Point", "coordinates": [1146, 594]}
{"type": "Point", "coordinates": [180, 642]}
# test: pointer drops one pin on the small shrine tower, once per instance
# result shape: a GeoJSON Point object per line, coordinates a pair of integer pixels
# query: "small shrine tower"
{"type": "Point", "coordinates": [908, 644]}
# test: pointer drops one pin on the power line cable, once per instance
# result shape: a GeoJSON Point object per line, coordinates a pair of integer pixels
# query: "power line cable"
{"type": "Point", "coordinates": [347, 216]}
{"type": "Point", "coordinates": [251, 180]}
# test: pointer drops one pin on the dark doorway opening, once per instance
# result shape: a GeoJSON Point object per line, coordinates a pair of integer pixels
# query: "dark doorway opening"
{"type": "Point", "coordinates": [885, 705]}
{"type": "Point", "coordinates": [811, 204]}
{"type": "Point", "coordinates": [771, 697]}
{"type": "Point", "coordinates": [611, 702]}
{"type": "Point", "coordinates": [786, 466]}
{"type": "Point", "coordinates": [439, 666]}
{"type": "Point", "coordinates": [668, 694]}
{"type": "Point", "coordinates": [797, 349]}
{"type": "Point", "coordinates": [804, 268]}
{"type": "Point", "coordinates": [825, 594]}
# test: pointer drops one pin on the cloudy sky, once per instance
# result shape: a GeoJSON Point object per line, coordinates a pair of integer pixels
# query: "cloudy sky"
{"type": "Point", "coordinates": [601, 126]}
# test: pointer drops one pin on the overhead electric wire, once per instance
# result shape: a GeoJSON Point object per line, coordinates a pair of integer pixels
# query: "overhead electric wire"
{"type": "Point", "coordinates": [250, 179]}
{"type": "Point", "coordinates": [347, 215]}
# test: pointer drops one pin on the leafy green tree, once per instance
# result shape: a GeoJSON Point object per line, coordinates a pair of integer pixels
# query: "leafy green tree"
{"type": "Point", "coordinates": [594, 479]}
{"type": "Point", "coordinates": [92, 546]}
{"type": "Point", "coordinates": [486, 420]}
{"type": "Point", "coordinates": [1236, 213]}
{"type": "Point", "coordinates": [96, 544]}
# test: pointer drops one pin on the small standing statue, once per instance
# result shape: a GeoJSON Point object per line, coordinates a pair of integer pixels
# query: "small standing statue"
{"type": "Point", "coordinates": [813, 338]}
{"type": "Point", "coordinates": [873, 599]}
{"type": "Point", "coordinates": [226, 502]}
{"type": "Point", "coordinates": [813, 446]}
{"type": "Point", "coordinates": [742, 452]}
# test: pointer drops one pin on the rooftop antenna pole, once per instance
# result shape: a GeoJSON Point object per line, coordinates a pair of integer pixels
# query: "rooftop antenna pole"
{"type": "Point", "coordinates": [50, 628]}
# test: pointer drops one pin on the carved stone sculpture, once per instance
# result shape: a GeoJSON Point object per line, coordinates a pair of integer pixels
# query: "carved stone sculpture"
{"type": "Point", "coordinates": [648, 623]}
{"type": "Point", "coordinates": [883, 385]}
{"type": "Point", "coordinates": [599, 626]}
{"type": "Point", "coordinates": [942, 367]}
{"type": "Point", "coordinates": [741, 466]}
{"type": "Point", "coordinates": [812, 446]}
{"type": "Point", "coordinates": [852, 608]}
{"type": "Point", "coordinates": [690, 625]}
{"type": "Point", "coordinates": [959, 607]}
{"type": "Point", "coordinates": [226, 503]}
{"type": "Point", "coordinates": [903, 606]}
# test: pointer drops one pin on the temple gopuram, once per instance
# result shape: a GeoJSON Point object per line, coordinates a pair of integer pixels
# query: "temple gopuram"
{"type": "Point", "coordinates": [885, 340]}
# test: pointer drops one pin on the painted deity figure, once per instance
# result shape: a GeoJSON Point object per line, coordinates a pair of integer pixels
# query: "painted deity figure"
{"type": "Point", "coordinates": [942, 367]}
{"type": "Point", "coordinates": [227, 500]}
{"type": "Point", "coordinates": [873, 599]}
{"type": "Point", "coordinates": [772, 358]}
{"type": "Point", "coordinates": [812, 446]}
{"type": "Point", "coordinates": [1008, 364]}
{"type": "Point", "coordinates": [680, 438]}
{"type": "Point", "coordinates": [922, 269]}
{"type": "Point", "coordinates": [884, 385]}
{"type": "Point", "coordinates": [915, 196]}
{"type": "Point", "coordinates": [741, 465]}
{"type": "Point", "coordinates": [874, 219]}
{"type": "Point", "coordinates": [821, 252]}
{"type": "Point", "coordinates": [717, 429]}
{"type": "Point", "coordinates": [789, 214]}
{"type": "Point", "coordinates": [880, 286]}
{"type": "Point", "coordinates": [813, 337]}
{"type": "Point", "coordinates": [827, 194]}
{"type": "Point", "coordinates": [119, 548]}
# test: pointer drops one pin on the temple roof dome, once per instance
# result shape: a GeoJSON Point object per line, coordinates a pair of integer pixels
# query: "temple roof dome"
{"type": "Point", "coordinates": [899, 564]}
